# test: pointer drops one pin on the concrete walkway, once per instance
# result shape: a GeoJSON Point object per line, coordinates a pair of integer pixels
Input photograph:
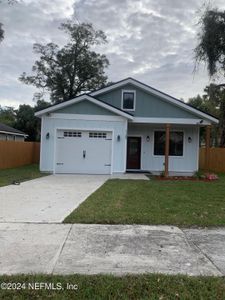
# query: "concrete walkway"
{"type": "Point", "coordinates": [52, 198]}
{"type": "Point", "coordinates": [116, 249]}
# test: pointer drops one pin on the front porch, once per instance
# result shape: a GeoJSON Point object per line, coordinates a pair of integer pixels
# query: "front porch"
{"type": "Point", "coordinates": [168, 149]}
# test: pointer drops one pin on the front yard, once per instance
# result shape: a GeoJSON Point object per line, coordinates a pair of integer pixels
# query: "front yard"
{"type": "Point", "coordinates": [109, 287]}
{"type": "Point", "coordinates": [184, 203]}
{"type": "Point", "coordinates": [7, 176]}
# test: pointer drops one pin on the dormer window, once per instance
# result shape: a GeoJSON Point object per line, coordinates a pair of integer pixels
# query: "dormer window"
{"type": "Point", "coordinates": [128, 100]}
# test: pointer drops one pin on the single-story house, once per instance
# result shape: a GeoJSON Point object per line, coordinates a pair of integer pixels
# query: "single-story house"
{"type": "Point", "coordinates": [8, 133]}
{"type": "Point", "coordinates": [127, 126]}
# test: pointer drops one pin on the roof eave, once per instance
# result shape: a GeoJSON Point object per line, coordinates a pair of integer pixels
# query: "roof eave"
{"type": "Point", "coordinates": [13, 133]}
{"type": "Point", "coordinates": [139, 84]}
{"type": "Point", "coordinates": [160, 94]}
{"type": "Point", "coordinates": [80, 98]}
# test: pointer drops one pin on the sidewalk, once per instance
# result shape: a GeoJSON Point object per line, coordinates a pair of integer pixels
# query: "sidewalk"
{"type": "Point", "coordinates": [117, 249]}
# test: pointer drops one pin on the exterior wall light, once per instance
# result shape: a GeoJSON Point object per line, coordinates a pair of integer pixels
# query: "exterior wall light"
{"type": "Point", "coordinates": [189, 139]}
{"type": "Point", "coordinates": [118, 138]}
{"type": "Point", "coordinates": [147, 138]}
{"type": "Point", "coordinates": [47, 136]}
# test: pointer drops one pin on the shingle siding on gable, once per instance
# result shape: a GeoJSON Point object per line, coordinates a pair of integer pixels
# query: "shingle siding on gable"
{"type": "Point", "coordinates": [147, 105]}
{"type": "Point", "coordinates": [84, 107]}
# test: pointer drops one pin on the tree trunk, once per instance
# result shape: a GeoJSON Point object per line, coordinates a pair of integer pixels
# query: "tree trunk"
{"type": "Point", "coordinates": [222, 140]}
{"type": "Point", "coordinates": [222, 125]}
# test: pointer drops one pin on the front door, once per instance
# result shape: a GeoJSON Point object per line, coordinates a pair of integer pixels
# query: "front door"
{"type": "Point", "coordinates": [133, 153]}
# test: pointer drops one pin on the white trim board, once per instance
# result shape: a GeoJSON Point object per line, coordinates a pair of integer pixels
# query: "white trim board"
{"type": "Point", "coordinates": [81, 98]}
{"type": "Point", "coordinates": [156, 93]}
{"type": "Point", "coordinates": [86, 117]}
{"type": "Point", "coordinates": [14, 133]}
{"type": "Point", "coordinates": [182, 121]}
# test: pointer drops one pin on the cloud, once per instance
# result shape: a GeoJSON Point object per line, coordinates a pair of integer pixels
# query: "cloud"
{"type": "Point", "coordinates": [150, 40]}
{"type": "Point", "coordinates": [26, 23]}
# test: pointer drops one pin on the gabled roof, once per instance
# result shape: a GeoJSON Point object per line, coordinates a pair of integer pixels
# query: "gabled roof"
{"type": "Point", "coordinates": [10, 130]}
{"type": "Point", "coordinates": [158, 93]}
{"type": "Point", "coordinates": [81, 98]}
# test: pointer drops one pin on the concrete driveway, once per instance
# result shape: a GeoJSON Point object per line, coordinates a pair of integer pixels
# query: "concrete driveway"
{"type": "Point", "coordinates": [116, 249]}
{"type": "Point", "coordinates": [47, 199]}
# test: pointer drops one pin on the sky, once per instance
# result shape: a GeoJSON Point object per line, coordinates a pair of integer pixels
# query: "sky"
{"type": "Point", "coordinates": [149, 40]}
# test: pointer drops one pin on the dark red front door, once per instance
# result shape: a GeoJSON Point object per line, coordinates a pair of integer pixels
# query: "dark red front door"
{"type": "Point", "coordinates": [133, 152]}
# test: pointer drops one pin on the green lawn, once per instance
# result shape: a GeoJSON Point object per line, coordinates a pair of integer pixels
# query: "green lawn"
{"type": "Point", "coordinates": [24, 173]}
{"type": "Point", "coordinates": [184, 203]}
{"type": "Point", "coordinates": [126, 287]}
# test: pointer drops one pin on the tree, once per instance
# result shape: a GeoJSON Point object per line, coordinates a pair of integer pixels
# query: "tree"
{"type": "Point", "coordinates": [41, 104]}
{"type": "Point", "coordinates": [1, 29]}
{"type": "Point", "coordinates": [1, 32]}
{"type": "Point", "coordinates": [23, 118]}
{"type": "Point", "coordinates": [27, 122]}
{"type": "Point", "coordinates": [209, 102]}
{"type": "Point", "coordinates": [211, 49]}
{"type": "Point", "coordinates": [7, 115]}
{"type": "Point", "coordinates": [72, 69]}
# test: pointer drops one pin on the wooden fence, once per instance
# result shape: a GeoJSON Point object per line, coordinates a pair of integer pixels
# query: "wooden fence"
{"type": "Point", "coordinates": [15, 154]}
{"type": "Point", "coordinates": [216, 159]}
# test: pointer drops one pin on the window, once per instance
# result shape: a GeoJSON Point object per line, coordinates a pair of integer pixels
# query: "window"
{"type": "Point", "coordinates": [128, 100]}
{"type": "Point", "coordinates": [72, 134]}
{"type": "Point", "coordinates": [176, 143]}
{"type": "Point", "coordinates": [97, 135]}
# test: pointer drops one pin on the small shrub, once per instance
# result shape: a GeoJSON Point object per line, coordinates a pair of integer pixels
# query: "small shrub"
{"type": "Point", "coordinates": [162, 174]}
{"type": "Point", "coordinates": [199, 174]}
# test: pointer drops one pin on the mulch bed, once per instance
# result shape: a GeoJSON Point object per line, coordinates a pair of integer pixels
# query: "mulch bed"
{"type": "Point", "coordinates": [183, 178]}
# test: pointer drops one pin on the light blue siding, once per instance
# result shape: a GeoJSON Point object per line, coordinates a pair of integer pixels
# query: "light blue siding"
{"type": "Point", "coordinates": [147, 105]}
{"type": "Point", "coordinates": [84, 107]}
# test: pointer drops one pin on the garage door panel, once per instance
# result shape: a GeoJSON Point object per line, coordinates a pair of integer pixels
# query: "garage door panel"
{"type": "Point", "coordinates": [67, 155]}
{"type": "Point", "coordinates": [97, 156]}
{"type": "Point", "coordinates": [87, 152]}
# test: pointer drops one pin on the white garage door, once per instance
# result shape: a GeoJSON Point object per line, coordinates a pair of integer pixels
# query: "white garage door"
{"type": "Point", "coordinates": [87, 152]}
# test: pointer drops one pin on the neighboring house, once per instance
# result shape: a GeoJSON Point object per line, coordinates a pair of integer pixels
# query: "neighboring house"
{"type": "Point", "coordinates": [8, 133]}
{"type": "Point", "coordinates": [127, 126]}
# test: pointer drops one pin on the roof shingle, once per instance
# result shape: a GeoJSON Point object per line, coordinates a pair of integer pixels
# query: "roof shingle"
{"type": "Point", "coordinates": [6, 128]}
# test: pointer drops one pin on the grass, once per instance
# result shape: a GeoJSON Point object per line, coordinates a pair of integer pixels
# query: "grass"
{"type": "Point", "coordinates": [126, 287]}
{"type": "Point", "coordinates": [183, 203]}
{"type": "Point", "coordinates": [20, 174]}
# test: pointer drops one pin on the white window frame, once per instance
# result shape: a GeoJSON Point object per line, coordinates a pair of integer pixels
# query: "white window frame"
{"type": "Point", "coordinates": [128, 91]}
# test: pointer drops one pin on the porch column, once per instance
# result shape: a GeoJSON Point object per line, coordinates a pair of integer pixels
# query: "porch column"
{"type": "Point", "coordinates": [167, 149]}
{"type": "Point", "coordinates": [207, 146]}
